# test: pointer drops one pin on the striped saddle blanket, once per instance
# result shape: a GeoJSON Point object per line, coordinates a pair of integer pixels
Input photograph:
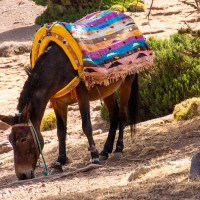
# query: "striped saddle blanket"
{"type": "Point", "coordinates": [111, 45]}
{"type": "Point", "coordinates": [103, 46]}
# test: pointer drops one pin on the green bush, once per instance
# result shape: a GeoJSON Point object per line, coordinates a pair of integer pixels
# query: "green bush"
{"type": "Point", "coordinates": [41, 2]}
{"type": "Point", "coordinates": [67, 10]}
{"type": "Point", "coordinates": [187, 109]}
{"type": "Point", "coordinates": [119, 8]}
{"type": "Point", "coordinates": [136, 7]}
{"type": "Point", "coordinates": [70, 10]}
{"type": "Point", "coordinates": [108, 3]}
{"type": "Point", "coordinates": [48, 121]}
{"type": "Point", "coordinates": [174, 78]}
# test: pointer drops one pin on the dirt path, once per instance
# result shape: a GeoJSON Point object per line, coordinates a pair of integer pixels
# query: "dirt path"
{"type": "Point", "coordinates": [155, 166]}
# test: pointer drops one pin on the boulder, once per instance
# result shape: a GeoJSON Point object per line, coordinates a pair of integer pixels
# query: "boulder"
{"type": "Point", "coordinates": [195, 167]}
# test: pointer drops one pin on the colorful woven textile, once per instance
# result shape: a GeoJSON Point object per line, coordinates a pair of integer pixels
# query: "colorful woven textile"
{"type": "Point", "coordinates": [112, 46]}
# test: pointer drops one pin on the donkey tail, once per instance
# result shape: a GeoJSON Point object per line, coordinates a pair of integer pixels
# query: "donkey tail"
{"type": "Point", "coordinates": [133, 105]}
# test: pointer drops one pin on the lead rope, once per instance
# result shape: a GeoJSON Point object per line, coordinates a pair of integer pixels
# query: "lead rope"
{"type": "Point", "coordinates": [100, 97]}
{"type": "Point", "coordinates": [45, 172]}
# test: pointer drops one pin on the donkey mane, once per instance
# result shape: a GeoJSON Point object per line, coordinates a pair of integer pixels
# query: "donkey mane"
{"type": "Point", "coordinates": [30, 85]}
{"type": "Point", "coordinates": [26, 92]}
{"type": "Point", "coordinates": [33, 80]}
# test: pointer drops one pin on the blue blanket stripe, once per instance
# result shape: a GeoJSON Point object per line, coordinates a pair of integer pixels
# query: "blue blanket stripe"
{"type": "Point", "coordinates": [113, 53]}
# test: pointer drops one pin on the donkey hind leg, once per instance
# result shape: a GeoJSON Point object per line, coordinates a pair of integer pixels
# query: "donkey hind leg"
{"type": "Point", "coordinates": [84, 107]}
{"type": "Point", "coordinates": [61, 119]}
{"type": "Point", "coordinates": [113, 109]}
{"type": "Point", "coordinates": [125, 91]}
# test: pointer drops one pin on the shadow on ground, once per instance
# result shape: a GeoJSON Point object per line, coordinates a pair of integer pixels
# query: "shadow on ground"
{"type": "Point", "coordinates": [19, 34]}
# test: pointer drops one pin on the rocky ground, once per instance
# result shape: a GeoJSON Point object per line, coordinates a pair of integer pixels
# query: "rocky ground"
{"type": "Point", "coordinates": [154, 166]}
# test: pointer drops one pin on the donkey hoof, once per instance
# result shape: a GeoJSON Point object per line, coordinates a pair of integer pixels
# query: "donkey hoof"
{"type": "Point", "coordinates": [118, 155]}
{"type": "Point", "coordinates": [56, 168]}
{"type": "Point", "coordinates": [103, 155]}
{"type": "Point", "coordinates": [96, 162]}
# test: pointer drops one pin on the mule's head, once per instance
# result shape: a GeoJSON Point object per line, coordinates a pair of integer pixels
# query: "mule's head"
{"type": "Point", "coordinates": [25, 153]}
{"type": "Point", "coordinates": [24, 146]}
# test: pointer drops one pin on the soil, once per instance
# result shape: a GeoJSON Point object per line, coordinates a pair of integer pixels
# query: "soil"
{"type": "Point", "coordinates": [155, 163]}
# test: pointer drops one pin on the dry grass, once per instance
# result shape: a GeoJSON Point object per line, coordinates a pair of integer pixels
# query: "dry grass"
{"type": "Point", "coordinates": [48, 121]}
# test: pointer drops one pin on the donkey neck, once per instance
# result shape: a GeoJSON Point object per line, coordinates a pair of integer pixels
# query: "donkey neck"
{"type": "Point", "coordinates": [50, 74]}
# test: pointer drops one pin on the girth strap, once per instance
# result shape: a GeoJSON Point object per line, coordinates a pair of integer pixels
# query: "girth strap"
{"type": "Point", "coordinates": [68, 88]}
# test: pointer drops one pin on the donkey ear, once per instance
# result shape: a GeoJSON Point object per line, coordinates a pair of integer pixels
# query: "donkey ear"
{"type": "Point", "coordinates": [26, 112]}
{"type": "Point", "coordinates": [11, 120]}
{"type": "Point", "coordinates": [11, 138]}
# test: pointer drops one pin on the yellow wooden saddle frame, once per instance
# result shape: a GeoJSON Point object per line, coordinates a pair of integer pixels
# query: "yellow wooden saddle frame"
{"type": "Point", "coordinates": [57, 33]}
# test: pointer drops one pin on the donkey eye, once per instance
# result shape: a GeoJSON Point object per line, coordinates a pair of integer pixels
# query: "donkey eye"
{"type": "Point", "coordinates": [23, 140]}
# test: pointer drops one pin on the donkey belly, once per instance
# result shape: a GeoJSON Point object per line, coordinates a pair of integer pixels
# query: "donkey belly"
{"type": "Point", "coordinates": [95, 93]}
{"type": "Point", "coordinates": [102, 91]}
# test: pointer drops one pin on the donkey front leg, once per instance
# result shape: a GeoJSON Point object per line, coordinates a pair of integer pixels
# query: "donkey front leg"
{"type": "Point", "coordinates": [61, 118]}
{"type": "Point", "coordinates": [84, 107]}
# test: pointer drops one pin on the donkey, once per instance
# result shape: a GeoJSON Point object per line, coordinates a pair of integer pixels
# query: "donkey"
{"type": "Point", "coordinates": [52, 71]}
{"type": "Point", "coordinates": [109, 41]}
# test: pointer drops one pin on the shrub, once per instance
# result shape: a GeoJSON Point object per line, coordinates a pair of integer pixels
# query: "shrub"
{"type": "Point", "coordinates": [174, 79]}
{"type": "Point", "coordinates": [119, 8]}
{"type": "Point", "coordinates": [70, 10]}
{"type": "Point", "coordinates": [43, 18]}
{"type": "Point", "coordinates": [187, 109]}
{"type": "Point", "coordinates": [67, 10]}
{"type": "Point", "coordinates": [41, 2]}
{"type": "Point", "coordinates": [136, 7]}
{"type": "Point", "coordinates": [48, 121]}
{"type": "Point", "coordinates": [109, 3]}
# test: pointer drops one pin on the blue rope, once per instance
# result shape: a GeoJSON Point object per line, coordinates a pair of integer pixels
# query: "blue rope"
{"type": "Point", "coordinates": [45, 173]}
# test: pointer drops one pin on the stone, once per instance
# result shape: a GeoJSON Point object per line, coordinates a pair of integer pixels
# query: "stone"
{"type": "Point", "coordinates": [195, 167]}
